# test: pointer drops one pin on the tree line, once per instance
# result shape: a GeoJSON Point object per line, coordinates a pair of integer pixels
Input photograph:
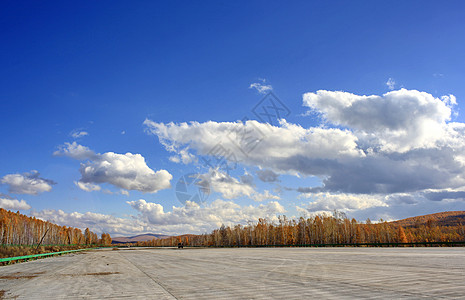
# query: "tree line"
{"type": "Point", "coordinates": [317, 230]}
{"type": "Point", "coordinates": [19, 229]}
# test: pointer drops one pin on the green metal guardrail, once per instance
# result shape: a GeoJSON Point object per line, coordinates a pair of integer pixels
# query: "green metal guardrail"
{"type": "Point", "coordinates": [34, 256]}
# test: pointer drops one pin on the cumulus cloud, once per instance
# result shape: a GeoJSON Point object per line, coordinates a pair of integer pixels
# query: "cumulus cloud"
{"type": "Point", "coordinates": [183, 156]}
{"type": "Point", "coordinates": [261, 86]}
{"type": "Point", "coordinates": [27, 183]}
{"type": "Point", "coordinates": [381, 173]}
{"type": "Point", "coordinates": [444, 195]}
{"type": "Point", "coordinates": [404, 205]}
{"type": "Point", "coordinates": [267, 176]}
{"type": "Point", "coordinates": [280, 148]}
{"type": "Point", "coordinates": [266, 195]}
{"type": "Point", "coordinates": [400, 142]}
{"type": "Point", "coordinates": [75, 151]}
{"type": "Point", "coordinates": [96, 222]}
{"type": "Point", "coordinates": [397, 121]}
{"type": "Point", "coordinates": [127, 171]}
{"type": "Point", "coordinates": [205, 218]}
{"type": "Point", "coordinates": [410, 144]}
{"type": "Point", "coordinates": [13, 204]}
{"type": "Point", "coordinates": [88, 187]}
{"type": "Point", "coordinates": [328, 202]}
{"type": "Point", "coordinates": [229, 187]}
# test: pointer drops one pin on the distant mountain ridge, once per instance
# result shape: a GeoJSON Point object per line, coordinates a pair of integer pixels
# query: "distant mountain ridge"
{"type": "Point", "coordinates": [447, 218]}
{"type": "Point", "coordinates": [138, 238]}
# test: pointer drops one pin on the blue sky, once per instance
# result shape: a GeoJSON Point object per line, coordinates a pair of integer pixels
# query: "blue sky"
{"type": "Point", "coordinates": [117, 73]}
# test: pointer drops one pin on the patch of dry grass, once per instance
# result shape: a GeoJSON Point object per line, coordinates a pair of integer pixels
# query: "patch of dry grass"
{"type": "Point", "coordinates": [13, 251]}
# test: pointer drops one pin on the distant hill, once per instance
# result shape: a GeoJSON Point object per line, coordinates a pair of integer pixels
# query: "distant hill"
{"type": "Point", "coordinates": [447, 218]}
{"type": "Point", "coordinates": [138, 238]}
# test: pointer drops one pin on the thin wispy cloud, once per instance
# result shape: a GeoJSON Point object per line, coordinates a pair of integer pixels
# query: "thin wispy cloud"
{"type": "Point", "coordinates": [261, 86]}
{"type": "Point", "coordinates": [78, 133]}
{"type": "Point", "coordinates": [391, 84]}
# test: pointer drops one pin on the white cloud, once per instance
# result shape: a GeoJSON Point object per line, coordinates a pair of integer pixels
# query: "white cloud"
{"type": "Point", "coordinates": [261, 87]}
{"type": "Point", "coordinates": [184, 156]}
{"type": "Point", "coordinates": [13, 204]}
{"type": "Point", "coordinates": [27, 183]}
{"type": "Point", "coordinates": [232, 188]}
{"type": "Point", "coordinates": [94, 221]}
{"type": "Point", "coordinates": [266, 195]}
{"type": "Point", "coordinates": [327, 202]}
{"type": "Point", "coordinates": [259, 144]}
{"type": "Point", "coordinates": [128, 171]}
{"type": "Point", "coordinates": [88, 187]}
{"type": "Point", "coordinates": [397, 121]}
{"type": "Point", "coordinates": [228, 186]}
{"type": "Point", "coordinates": [400, 142]}
{"type": "Point", "coordinates": [75, 151]}
{"type": "Point", "coordinates": [196, 218]}
{"type": "Point", "coordinates": [391, 84]}
{"type": "Point", "coordinates": [404, 205]}
{"type": "Point", "coordinates": [77, 133]}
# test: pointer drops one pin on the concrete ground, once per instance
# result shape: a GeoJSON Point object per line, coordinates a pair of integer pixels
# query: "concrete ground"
{"type": "Point", "coordinates": [257, 273]}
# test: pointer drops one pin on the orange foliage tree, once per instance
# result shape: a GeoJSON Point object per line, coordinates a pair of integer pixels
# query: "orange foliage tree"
{"type": "Point", "coordinates": [18, 229]}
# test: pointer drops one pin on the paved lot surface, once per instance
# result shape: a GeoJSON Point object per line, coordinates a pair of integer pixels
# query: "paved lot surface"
{"type": "Point", "coordinates": [279, 273]}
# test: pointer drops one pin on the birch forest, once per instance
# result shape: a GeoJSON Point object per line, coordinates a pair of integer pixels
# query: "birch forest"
{"type": "Point", "coordinates": [322, 230]}
{"type": "Point", "coordinates": [18, 229]}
